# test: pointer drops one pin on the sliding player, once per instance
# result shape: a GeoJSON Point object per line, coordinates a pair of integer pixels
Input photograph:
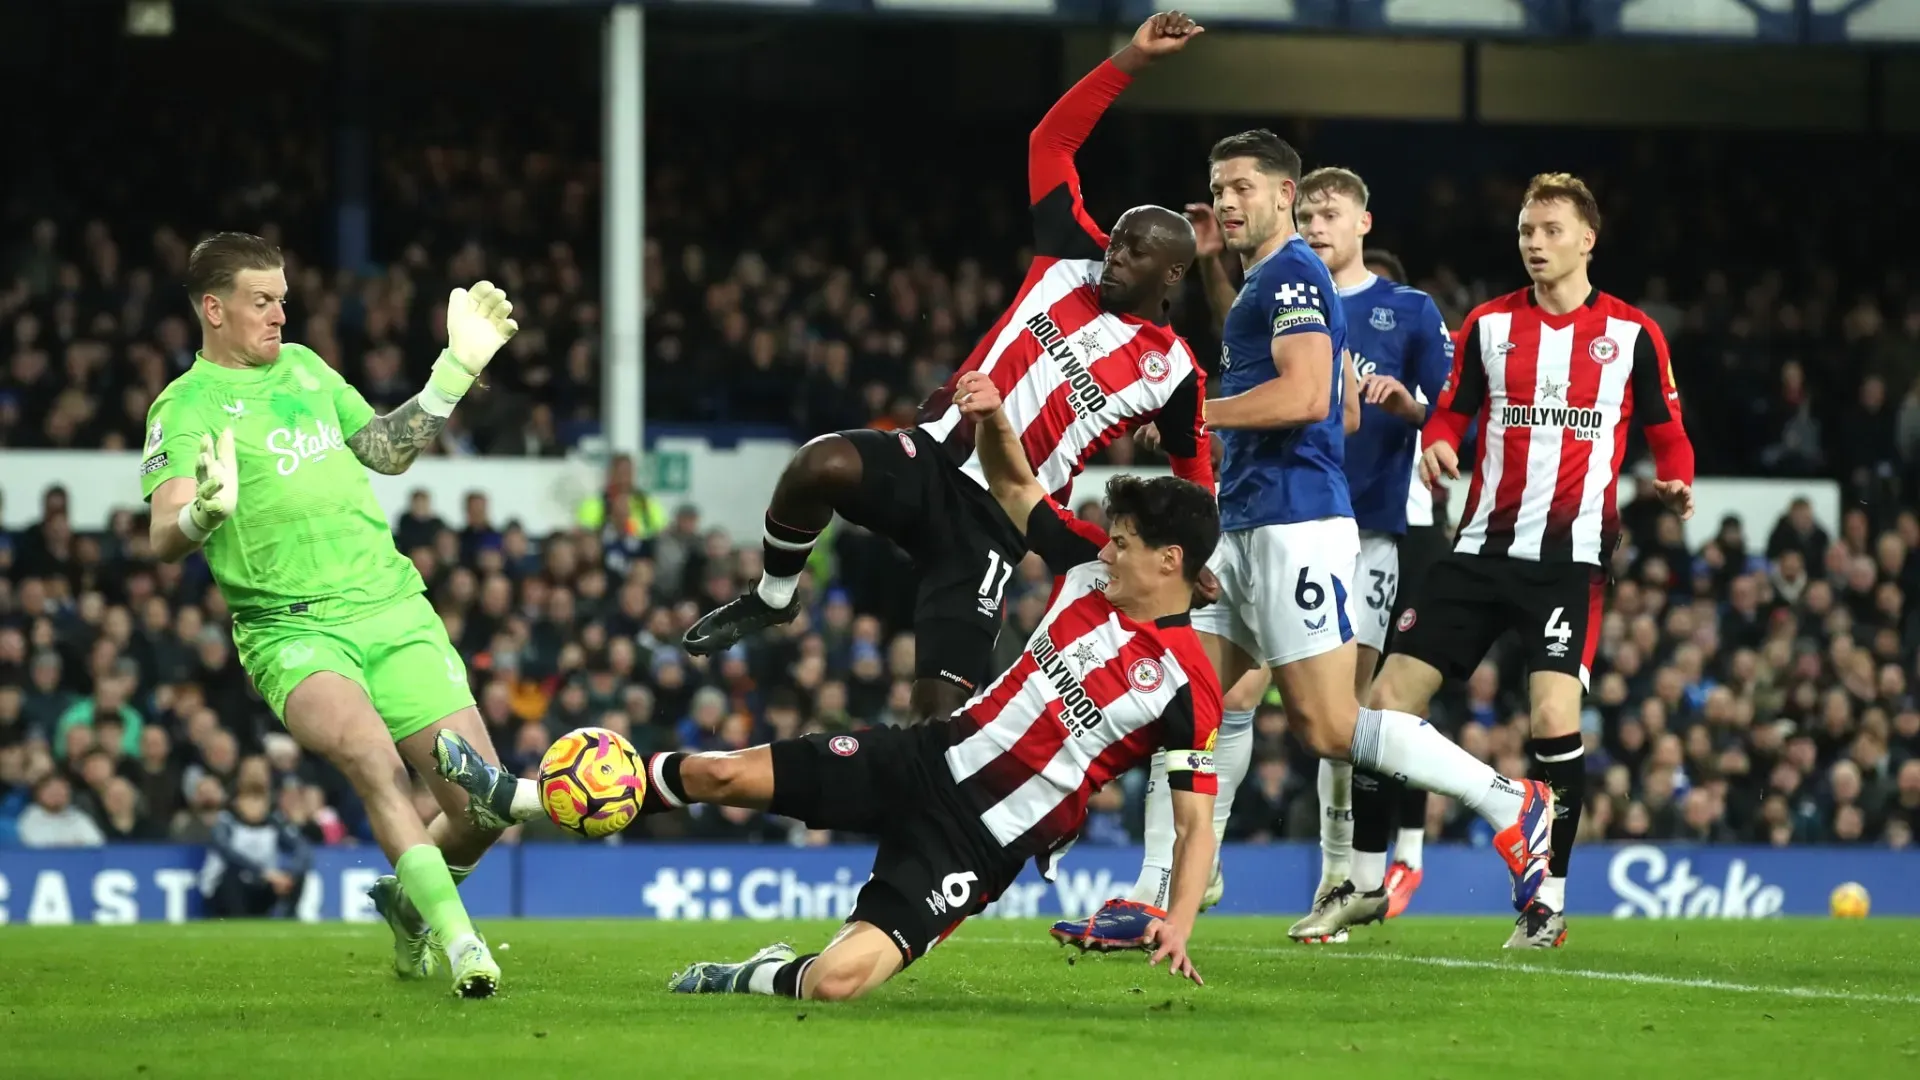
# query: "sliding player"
{"type": "Point", "coordinates": [1112, 674]}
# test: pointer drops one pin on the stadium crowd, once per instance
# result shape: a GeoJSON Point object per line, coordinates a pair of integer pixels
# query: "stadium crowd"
{"type": "Point", "coordinates": [1758, 689]}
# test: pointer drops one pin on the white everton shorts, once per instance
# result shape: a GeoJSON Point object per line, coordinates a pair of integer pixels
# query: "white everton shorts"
{"type": "Point", "coordinates": [1378, 579]}
{"type": "Point", "coordinates": [1286, 591]}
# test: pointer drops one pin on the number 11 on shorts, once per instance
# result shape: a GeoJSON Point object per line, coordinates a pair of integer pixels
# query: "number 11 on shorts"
{"type": "Point", "coordinates": [993, 587]}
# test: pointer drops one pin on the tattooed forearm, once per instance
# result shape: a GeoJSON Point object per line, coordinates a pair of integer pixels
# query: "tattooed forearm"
{"type": "Point", "coordinates": [388, 444]}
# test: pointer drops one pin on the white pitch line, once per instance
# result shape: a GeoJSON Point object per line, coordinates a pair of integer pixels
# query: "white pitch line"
{"type": "Point", "coordinates": [1592, 974]}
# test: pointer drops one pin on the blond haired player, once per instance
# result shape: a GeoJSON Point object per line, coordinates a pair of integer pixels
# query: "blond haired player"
{"type": "Point", "coordinates": [257, 456]}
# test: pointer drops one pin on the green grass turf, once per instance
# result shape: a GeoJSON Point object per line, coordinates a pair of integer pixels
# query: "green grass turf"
{"type": "Point", "coordinates": [1418, 998]}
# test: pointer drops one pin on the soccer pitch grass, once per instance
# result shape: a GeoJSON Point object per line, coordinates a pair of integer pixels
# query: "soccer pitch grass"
{"type": "Point", "coordinates": [1417, 998]}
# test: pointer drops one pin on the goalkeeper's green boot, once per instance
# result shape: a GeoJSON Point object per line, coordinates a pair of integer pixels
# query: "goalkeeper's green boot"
{"type": "Point", "coordinates": [475, 975]}
{"type": "Point", "coordinates": [414, 953]}
{"type": "Point", "coordinates": [489, 788]}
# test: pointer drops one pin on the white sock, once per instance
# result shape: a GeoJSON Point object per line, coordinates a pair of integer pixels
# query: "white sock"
{"type": "Point", "coordinates": [777, 591]}
{"type": "Point", "coordinates": [526, 801]}
{"type": "Point", "coordinates": [1156, 869]}
{"type": "Point", "coordinates": [458, 948]}
{"type": "Point", "coordinates": [1406, 846]}
{"type": "Point", "coordinates": [760, 979]}
{"type": "Point", "coordinates": [1408, 748]}
{"type": "Point", "coordinates": [1232, 757]}
{"type": "Point", "coordinates": [1336, 821]}
{"type": "Point", "coordinates": [1369, 870]}
{"type": "Point", "coordinates": [1553, 893]}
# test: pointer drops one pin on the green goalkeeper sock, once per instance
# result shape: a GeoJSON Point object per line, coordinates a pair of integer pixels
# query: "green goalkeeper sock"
{"type": "Point", "coordinates": [423, 873]}
{"type": "Point", "coordinates": [411, 913]}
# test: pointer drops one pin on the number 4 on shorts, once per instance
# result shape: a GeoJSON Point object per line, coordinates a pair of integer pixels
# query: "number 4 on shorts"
{"type": "Point", "coordinates": [1558, 632]}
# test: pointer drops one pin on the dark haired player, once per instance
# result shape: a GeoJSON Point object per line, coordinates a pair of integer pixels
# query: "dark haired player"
{"type": "Point", "coordinates": [1288, 542]}
{"type": "Point", "coordinates": [1082, 357]}
{"type": "Point", "coordinates": [1112, 674]}
{"type": "Point", "coordinates": [1554, 373]}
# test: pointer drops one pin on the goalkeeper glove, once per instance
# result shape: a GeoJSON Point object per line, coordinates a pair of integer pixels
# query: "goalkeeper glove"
{"type": "Point", "coordinates": [477, 325]}
{"type": "Point", "coordinates": [217, 488]}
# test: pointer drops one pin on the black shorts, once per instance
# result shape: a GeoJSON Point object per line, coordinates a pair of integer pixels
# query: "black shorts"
{"type": "Point", "coordinates": [1420, 549]}
{"type": "Point", "coordinates": [937, 864]}
{"type": "Point", "coordinates": [1468, 601]}
{"type": "Point", "coordinates": [963, 547]}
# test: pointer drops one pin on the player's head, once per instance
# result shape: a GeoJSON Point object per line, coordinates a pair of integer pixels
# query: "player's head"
{"type": "Point", "coordinates": [1253, 176]}
{"type": "Point", "coordinates": [1559, 223]}
{"type": "Point", "coordinates": [1163, 531]}
{"type": "Point", "coordinates": [1386, 264]}
{"type": "Point", "coordinates": [238, 284]}
{"type": "Point", "coordinates": [1148, 253]}
{"type": "Point", "coordinates": [1331, 214]}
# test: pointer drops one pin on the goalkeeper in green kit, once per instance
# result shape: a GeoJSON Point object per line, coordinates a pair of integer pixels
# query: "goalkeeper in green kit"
{"type": "Point", "coordinates": [258, 455]}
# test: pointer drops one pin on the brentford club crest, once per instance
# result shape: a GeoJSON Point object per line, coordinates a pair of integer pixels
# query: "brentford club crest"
{"type": "Point", "coordinates": [906, 444]}
{"type": "Point", "coordinates": [844, 745]}
{"type": "Point", "coordinates": [1146, 675]}
{"type": "Point", "coordinates": [1604, 350]}
{"type": "Point", "coordinates": [1155, 367]}
{"type": "Point", "coordinates": [1407, 619]}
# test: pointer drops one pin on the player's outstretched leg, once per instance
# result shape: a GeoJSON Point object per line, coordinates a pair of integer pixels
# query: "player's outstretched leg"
{"type": "Point", "coordinates": [1319, 694]}
{"type": "Point", "coordinates": [331, 716]}
{"type": "Point", "coordinates": [821, 475]}
{"type": "Point", "coordinates": [860, 958]}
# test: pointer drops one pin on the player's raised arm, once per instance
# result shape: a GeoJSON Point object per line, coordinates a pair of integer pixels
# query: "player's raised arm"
{"type": "Point", "coordinates": [478, 324]}
{"type": "Point", "coordinates": [1302, 351]}
{"type": "Point", "coordinates": [186, 509]}
{"type": "Point", "coordinates": [1656, 404]}
{"type": "Point", "coordinates": [1062, 227]}
{"type": "Point", "coordinates": [1053, 533]}
{"type": "Point", "coordinates": [1010, 478]}
{"type": "Point", "coordinates": [1210, 255]}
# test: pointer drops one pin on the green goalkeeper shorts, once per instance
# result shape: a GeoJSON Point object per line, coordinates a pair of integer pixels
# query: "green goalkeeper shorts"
{"type": "Point", "coordinates": [400, 655]}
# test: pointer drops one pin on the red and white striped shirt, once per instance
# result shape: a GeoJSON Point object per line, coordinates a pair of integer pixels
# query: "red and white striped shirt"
{"type": "Point", "coordinates": [1094, 695]}
{"type": "Point", "coordinates": [1074, 377]}
{"type": "Point", "coordinates": [1554, 395]}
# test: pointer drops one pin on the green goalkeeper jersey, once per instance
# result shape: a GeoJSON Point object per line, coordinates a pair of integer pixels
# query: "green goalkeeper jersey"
{"type": "Point", "coordinates": [307, 537]}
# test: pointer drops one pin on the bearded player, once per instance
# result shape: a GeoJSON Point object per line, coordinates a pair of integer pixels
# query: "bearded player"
{"type": "Point", "coordinates": [257, 456]}
{"type": "Point", "coordinates": [1111, 675]}
{"type": "Point", "coordinates": [1289, 544]}
{"type": "Point", "coordinates": [1083, 356]}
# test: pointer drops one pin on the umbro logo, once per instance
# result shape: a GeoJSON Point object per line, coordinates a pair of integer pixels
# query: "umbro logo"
{"type": "Point", "coordinates": [1502, 349]}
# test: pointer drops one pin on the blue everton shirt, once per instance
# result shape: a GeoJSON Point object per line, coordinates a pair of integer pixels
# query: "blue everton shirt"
{"type": "Point", "coordinates": [1391, 330]}
{"type": "Point", "coordinates": [1284, 475]}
